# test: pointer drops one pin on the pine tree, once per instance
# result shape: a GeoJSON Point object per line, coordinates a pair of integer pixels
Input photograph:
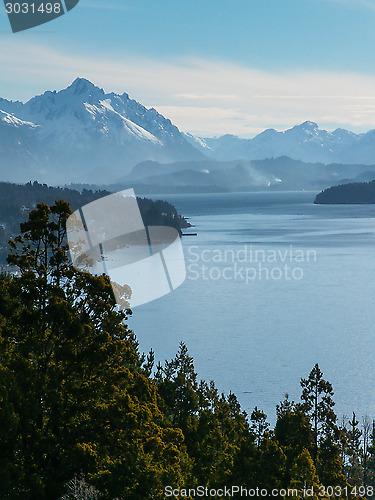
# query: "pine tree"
{"type": "Point", "coordinates": [178, 386]}
{"type": "Point", "coordinates": [293, 431]}
{"type": "Point", "coordinates": [354, 470]}
{"type": "Point", "coordinates": [366, 426]}
{"type": "Point", "coordinates": [271, 464]}
{"type": "Point", "coordinates": [259, 425]}
{"type": "Point", "coordinates": [304, 478]}
{"type": "Point", "coordinates": [317, 402]}
{"type": "Point", "coordinates": [370, 469]}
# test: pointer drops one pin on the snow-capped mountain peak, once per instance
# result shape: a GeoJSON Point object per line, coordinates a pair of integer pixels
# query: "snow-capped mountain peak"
{"type": "Point", "coordinates": [82, 129]}
{"type": "Point", "coordinates": [306, 142]}
{"type": "Point", "coordinates": [308, 125]}
{"type": "Point", "coordinates": [83, 86]}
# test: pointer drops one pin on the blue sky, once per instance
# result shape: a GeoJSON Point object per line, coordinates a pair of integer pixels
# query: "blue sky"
{"type": "Point", "coordinates": [212, 66]}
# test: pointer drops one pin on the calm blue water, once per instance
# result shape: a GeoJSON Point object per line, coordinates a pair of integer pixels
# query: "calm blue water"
{"type": "Point", "coordinates": [258, 337]}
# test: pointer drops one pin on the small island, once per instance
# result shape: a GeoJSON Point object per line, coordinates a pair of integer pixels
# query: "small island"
{"type": "Point", "coordinates": [348, 194]}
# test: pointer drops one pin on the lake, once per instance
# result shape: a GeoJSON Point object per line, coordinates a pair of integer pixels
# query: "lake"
{"type": "Point", "coordinates": [274, 285]}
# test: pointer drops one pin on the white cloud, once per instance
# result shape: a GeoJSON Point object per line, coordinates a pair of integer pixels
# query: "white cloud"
{"type": "Point", "coordinates": [205, 97]}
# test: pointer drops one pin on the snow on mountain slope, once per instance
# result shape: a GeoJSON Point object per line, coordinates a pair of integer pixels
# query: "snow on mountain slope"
{"type": "Point", "coordinates": [197, 142]}
{"type": "Point", "coordinates": [305, 142]}
{"type": "Point", "coordinates": [10, 119]}
{"type": "Point", "coordinates": [82, 134]}
{"type": "Point", "coordinates": [88, 105]}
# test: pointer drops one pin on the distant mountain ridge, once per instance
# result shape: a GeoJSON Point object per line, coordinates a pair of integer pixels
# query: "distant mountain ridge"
{"type": "Point", "coordinates": [305, 142]}
{"type": "Point", "coordinates": [81, 133]}
{"type": "Point", "coordinates": [239, 175]}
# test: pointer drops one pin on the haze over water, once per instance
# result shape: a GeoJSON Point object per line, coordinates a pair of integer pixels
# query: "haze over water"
{"type": "Point", "coordinates": [258, 337]}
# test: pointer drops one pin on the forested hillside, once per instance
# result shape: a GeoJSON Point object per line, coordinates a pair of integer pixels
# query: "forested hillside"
{"type": "Point", "coordinates": [16, 201]}
{"type": "Point", "coordinates": [352, 193]}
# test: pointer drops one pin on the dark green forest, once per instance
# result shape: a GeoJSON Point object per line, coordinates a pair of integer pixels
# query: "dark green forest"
{"type": "Point", "coordinates": [352, 193]}
{"type": "Point", "coordinates": [84, 414]}
{"type": "Point", "coordinates": [16, 201]}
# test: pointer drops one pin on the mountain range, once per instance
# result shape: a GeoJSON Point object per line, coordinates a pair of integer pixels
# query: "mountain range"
{"type": "Point", "coordinates": [240, 175]}
{"type": "Point", "coordinates": [305, 142]}
{"type": "Point", "coordinates": [83, 135]}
